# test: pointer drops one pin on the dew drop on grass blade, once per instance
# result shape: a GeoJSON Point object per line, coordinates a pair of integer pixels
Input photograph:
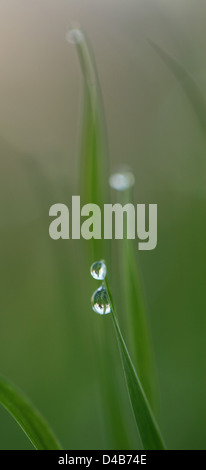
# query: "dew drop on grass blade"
{"type": "Point", "coordinates": [94, 189]}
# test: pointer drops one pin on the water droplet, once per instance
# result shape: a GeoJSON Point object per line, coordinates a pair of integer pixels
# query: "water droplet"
{"type": "Point", "coordinates": [75, 36]}
{"type": "Point", "coordinates": [122, 180]}
{"type": "Point", "coordinates": [100, 301]}
{"type": "Point", "coordinates": [98, 270]}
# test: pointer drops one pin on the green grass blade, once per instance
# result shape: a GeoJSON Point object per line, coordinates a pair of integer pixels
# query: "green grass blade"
{"type": "Point", "coordinates": [148, 429]}
{"type": "Point", "coordinates": [145, 420]}
{"type": "Point", "coordinates": [186, 81]}
{"type": "Point", "coordinates": [94, 189]}
{"type": "Point", "coordinates": [27, 417]}
{"type": "Point", "coordinates": [137, 324]}
{"type": "Point", "coordinates": [94, 161]}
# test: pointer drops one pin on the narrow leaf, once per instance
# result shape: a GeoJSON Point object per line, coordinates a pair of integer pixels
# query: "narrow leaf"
{"type": "Point", "coordinates": [186, 81]}
{"type": "Point", "coordinates": [145, 420]}
{"type": "Point", "coordinates": [30, 420]}
{"type": "Point", "coordinates": [94, 189]}
{"type": "Point", "coordinates": [93, 163]}
{"type": "Point", "coordinates": [137, 324]}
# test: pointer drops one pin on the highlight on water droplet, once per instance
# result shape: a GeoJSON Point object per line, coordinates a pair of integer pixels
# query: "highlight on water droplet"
{"type": "Point", "coordinates": [122, 180]}
{"type": "Point", "coordinates": [74, 36]}
{"type": "Point", "coordinates": [100, 301]}
{"type": "Point", "coordinates": [98, 270]}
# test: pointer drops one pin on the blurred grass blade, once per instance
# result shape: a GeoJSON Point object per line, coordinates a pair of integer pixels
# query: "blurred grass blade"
{"type": "Point", "coordinates": [186, 81]}
{"type": "Point", "coordinates": [165, 21]}
{"type": "Point", "coordinates": [147, 426]}
{"type": "Point", "coordinates": [94, 161]}
{"type": "Point", "coordinates": [135, 322]}
{"type": "Point", "coordinates": [137, 325]}
{"type": "Point", "coordinates": [27, 417]}
{"type": "Point", "coordinates": [94, 189]}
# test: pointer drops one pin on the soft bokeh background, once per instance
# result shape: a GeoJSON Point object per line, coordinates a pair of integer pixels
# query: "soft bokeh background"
{"type": "Point", "coordinates": [48, 341]}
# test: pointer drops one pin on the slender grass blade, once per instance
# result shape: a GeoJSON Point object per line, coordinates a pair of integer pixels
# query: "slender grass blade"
{"type": "Point", "coordinates": [186, 81]}
{"type": "Point", "coordinates": [94, 160]}
{"type": "Point", "coordinates": [28, 418]}
{"type": "Point", "coordinates": [138, 330]}
{"type": "Point", "coordinates": [145, 420]}
{"type": "Point", "coordinates": [94, 189]}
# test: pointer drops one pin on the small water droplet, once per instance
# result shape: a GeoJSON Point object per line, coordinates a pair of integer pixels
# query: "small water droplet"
{"type": "Point", "coordinates": [98, 270]}
{"type": "Point", "coordinates": [100, 301]}
{"type": "Point", "coordinates": [75, 36]}
{"type": "Point", "coordinates": [122, 180]}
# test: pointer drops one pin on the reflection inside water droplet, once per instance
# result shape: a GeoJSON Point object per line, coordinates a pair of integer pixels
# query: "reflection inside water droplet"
{"type": "Point", "coordinates": [98, 270]}
{"type": "Point", "coordinates": [100, 301]}
{"type": "Point", "coordinates": [122, 180]}
{"type": "Point", "coordinates": [75, 36]}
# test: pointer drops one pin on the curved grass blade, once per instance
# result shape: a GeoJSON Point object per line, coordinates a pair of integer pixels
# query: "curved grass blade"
{"type": "Point", "coordinates": [138, 331]}
{"type": "Point", "coordinates": [28, 418]}
{"type": "Point", "coordinates": [93, 164]}
{"type": "Point", "coordinates": [94, 189]}
{"type": "Point", "coordinates": [145, 420]}
{"type": "Point", "coordinates": [186, 81]}
{"type": "Point", "coordinates": [136, 322]}
{"type": "Point", "coordinates": [170, 30]}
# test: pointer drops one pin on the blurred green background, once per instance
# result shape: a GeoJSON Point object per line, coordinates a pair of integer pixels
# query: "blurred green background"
{"type": "Point", "coordinates": [50, 339]}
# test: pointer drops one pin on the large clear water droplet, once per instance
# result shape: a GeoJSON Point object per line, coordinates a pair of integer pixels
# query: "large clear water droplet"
{"type": "Point", "coordinates": [98, 270]}
{"type": "Point", "coordinates": [100, 301]}
{"type": "Point", "coordinates": [75, 36]}
{"type": "Point", "coordinates": [122, 180]}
